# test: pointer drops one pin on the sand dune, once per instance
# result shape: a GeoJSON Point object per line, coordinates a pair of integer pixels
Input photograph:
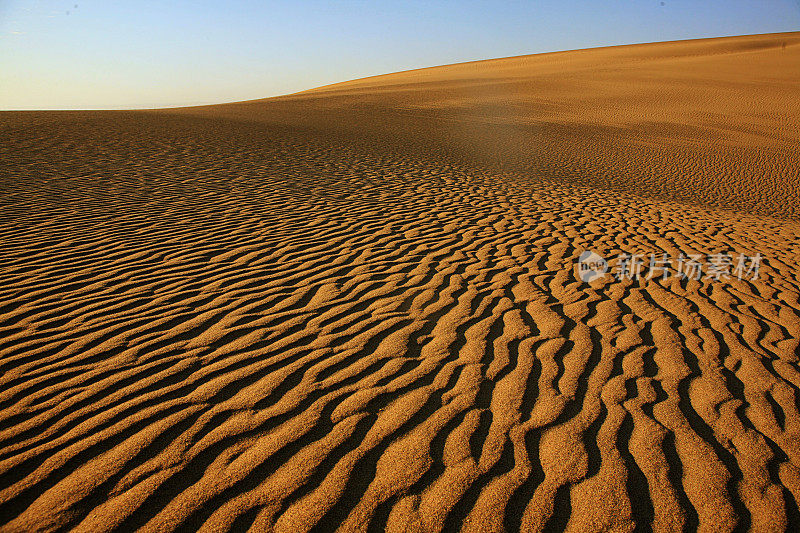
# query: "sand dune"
{"type": "Point", "coordinates": [711, 121]}
{"type": "Point", "coordinates": [358, 307]}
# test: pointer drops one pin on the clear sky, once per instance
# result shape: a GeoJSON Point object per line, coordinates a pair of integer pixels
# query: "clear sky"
{"type": "Point", "coordinates": [128, 54]}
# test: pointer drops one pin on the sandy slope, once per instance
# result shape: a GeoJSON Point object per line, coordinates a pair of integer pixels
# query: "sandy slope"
{"type": "Point", "coordinates": [358, 308]}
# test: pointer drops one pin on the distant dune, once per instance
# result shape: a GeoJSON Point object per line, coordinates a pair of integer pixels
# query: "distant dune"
{"type": "Point", "coordinates": [712, 121]}
{"type": "Point", "coordinates": [360, 307]}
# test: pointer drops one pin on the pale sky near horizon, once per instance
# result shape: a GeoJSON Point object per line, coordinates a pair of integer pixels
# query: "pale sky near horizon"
{"type": "Point", "coordinates": [84, 54]}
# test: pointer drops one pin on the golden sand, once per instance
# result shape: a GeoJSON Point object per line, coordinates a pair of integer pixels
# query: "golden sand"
{"type": "Point", "coordinates": [358, 308]}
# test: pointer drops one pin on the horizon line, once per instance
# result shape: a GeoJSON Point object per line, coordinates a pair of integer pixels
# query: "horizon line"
{"type": "Point", "coordinates": [363, 78]}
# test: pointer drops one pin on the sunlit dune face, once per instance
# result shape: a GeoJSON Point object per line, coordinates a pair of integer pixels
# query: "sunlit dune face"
{"type": "Point", "coordinates": [695, 121]}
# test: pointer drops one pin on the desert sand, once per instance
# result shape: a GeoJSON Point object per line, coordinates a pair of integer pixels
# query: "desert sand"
{"type": "Point", "coordinates": [359, 307]}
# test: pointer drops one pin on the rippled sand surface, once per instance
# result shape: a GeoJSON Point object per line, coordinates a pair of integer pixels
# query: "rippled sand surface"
{"type": "Point", "coordinates": [358, 307]}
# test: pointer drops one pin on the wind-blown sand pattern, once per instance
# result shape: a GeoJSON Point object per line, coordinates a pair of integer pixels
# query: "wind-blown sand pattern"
{"type": "Point", "coordinates": [357, 308]}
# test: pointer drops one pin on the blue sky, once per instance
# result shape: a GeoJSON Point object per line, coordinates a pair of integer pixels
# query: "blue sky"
{"type": "Point", "coordinates": [113, 54]}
